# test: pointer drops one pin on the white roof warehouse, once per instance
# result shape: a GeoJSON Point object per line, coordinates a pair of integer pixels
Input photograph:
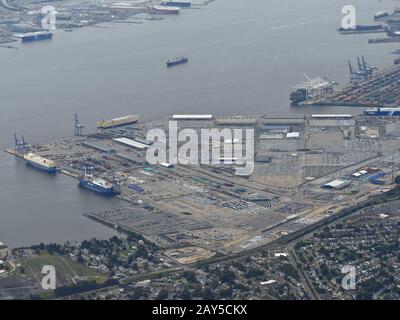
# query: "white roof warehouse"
{"type": "Point", "coordinates": [132, 143]}
{"type": "Point", "coordinates": [336, 184]}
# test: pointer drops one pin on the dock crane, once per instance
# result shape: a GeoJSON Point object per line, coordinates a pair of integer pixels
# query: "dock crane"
{"type": "Point", "coordinates": [20, 145]}
{"type": "Point", "coordinates": [364, 71]}
{"type": "Point", "coordinates": [78, 127]}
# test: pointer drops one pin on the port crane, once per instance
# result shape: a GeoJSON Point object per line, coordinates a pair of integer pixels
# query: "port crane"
{"type": "Point", "coordinates": [78, 127]}
{"type": "Point", "coordinates": [20, 145]}
{"type": "Point", "coordinates": [364, 71]}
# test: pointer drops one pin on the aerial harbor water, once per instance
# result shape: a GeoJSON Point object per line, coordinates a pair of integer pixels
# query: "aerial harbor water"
{"type": "Point", "coordinates": [119, 69]}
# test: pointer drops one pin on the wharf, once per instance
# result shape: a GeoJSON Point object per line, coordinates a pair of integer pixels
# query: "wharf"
{"type": "Point", "coordinates": [384, 40]}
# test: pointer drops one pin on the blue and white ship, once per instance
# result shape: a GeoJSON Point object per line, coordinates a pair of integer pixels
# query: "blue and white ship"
{"type": "Point", "coordinates": [98, 185]}
{"type": "Point", "coordinates": [382, 112]}
{"type": "Point", "coordinates": [33, 36]}
{"type": "Point", "coordinates": [177, 3]}
{"type": "Point", "coordinates": [40, 163]}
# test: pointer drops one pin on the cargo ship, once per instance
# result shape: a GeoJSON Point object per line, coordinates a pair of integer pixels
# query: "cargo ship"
{"type": "Point", "coordinates": [104, 124]}
{"type": "Point", "coordinates": [176, 61]}
{"type": "Point", "coordinates": [311, 90]}
{"type": "Point", "coordinates": [382, 112]}
{"type": "Point", "coordinates": [98, 185]}
{"type": "Point", "coordinates": [40, 163]}
{"type": "Point", "coordinates": [177, 3]}
{"type": "Point", "coordinates": [164, 9]}
{"type": "Point", "coordinates": [298, 96]}
{"type": "Point", "coordinates": [381, 14]}
{"type": "Point", "coordinates": [33, 36]}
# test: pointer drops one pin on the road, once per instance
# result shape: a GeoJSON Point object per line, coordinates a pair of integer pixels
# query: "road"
{"type": "Point", "coordinates": [307, 284]}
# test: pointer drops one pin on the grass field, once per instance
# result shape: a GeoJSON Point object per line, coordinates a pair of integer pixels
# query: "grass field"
{"type": "Point", "coordinates": [67, 270]}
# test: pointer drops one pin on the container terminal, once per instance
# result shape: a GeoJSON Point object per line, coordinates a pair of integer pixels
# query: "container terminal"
{"type": "Point", "coordinates": [367, 88]}
{"type": "Point", "coordinates": [306, 169]}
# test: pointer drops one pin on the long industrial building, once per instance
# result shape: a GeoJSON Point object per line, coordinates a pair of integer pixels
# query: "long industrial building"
{"type": "Point", "coordinates": [132, 143]}
{"type": "Point", "coordinates": [192, 117]}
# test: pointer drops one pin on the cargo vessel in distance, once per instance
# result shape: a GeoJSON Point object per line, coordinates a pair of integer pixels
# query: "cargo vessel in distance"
{"type": "Point", "coordinates": [382, 112]}
{"type": "Point", "coordinates": [98, 185]}
{"type": "Point", "coordinates": [40, 163]}
{"type": "Point", "coordinates": [176, 61]}
{"type": "Point", "coordinates": [381, 14]}
{"type": "Point", "coordinates": [105, 124]}
{"type": "Point", "coordinates": [164, 9]}
{"type": "Point", "coordinates": [33, 36]}
{"type": "Point", "coordinates": [177, 3]}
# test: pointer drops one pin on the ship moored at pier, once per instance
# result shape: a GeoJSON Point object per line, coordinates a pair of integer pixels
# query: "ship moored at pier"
{"type": "Point", "coordinates": [177, 3]}
{"type": "Point", "coordinates": [40, 163]}
{"type": "Point", "coordinates": [312, 89]}
{"type": "Point", "coordinates": [98, 185]}
{"type": "Point", "coordinates": [34, 36]}
{"type": "Point", "coordinates": [164, 9]}
{"type": "Point", "coordinates": [382, 112]}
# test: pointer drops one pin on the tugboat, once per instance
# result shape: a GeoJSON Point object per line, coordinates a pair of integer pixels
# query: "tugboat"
{"type": "Point", "coordinates": [176, 61]}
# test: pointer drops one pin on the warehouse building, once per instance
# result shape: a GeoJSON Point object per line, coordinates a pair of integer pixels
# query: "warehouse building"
{"type": "Point", "coordinates": [131, 143]}
{"type": "Point", "coordinates": [192, 117]}
{"type": "Point", "coordinates": [337, 184]}
{"type": "Point", "coordinates": [236, 121]}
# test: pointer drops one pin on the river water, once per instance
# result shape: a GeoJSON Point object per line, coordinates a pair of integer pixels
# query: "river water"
{"type": "Point", "coordinates": [245, 55]}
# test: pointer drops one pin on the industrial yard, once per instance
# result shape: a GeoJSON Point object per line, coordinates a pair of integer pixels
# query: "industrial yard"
{"type": "Point", "coordinates": [307, 168]}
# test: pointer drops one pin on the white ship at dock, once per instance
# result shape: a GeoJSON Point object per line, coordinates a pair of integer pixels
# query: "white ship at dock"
{"type": "Point", "coordinates": [40, 162]}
